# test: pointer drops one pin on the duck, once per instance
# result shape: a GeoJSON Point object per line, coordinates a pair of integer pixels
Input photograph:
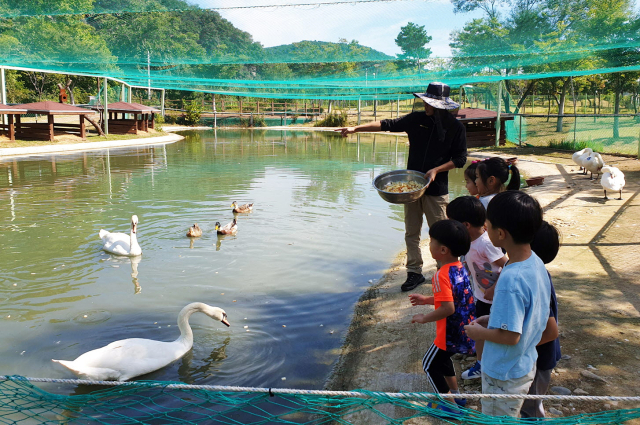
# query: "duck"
{"type": "Point", "coordinates": [246, 208]}
{"type": "Point", "coordinates": [576, 157]}
{"type": "Point", "coordinates": [121, 243]}
{"type": "Point", "coordinates": [194, 231]}
{"type": "Point", "coordinates": [612, 179]}
{"type": "Point", "coordinates": [128, 358]}
{"type": "Point", "coordinates": [228, 229]}
{"type": "Point", "coordinates": [593, 164]}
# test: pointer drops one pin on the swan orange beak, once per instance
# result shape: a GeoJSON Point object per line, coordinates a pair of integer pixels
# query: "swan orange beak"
{"type": "Point", "coordinates": [225, 321]}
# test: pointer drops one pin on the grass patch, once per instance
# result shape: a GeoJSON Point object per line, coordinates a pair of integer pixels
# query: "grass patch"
{"type": "Point", "coordinates": [576, 146]}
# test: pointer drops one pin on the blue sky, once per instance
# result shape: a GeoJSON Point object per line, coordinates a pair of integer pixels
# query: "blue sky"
{"type": "Point", "coordinates": [374, 24]}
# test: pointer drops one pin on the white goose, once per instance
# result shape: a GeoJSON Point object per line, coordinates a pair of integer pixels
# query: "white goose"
{"type": "Point", "coordinates": [593, 164]}
{"type": "Point", "coordinates": [121, 243]}
{"type": "Point", "coordinates": [128, 358]}
{"type": "Point", "coordinates": [612, 179]}
{"type": "Point", "coordinates": [580, 161]}
{"type": "Point", "coordinates": [576, 156]}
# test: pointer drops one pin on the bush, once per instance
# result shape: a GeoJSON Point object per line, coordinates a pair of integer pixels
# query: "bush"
{"type": "Point", "coordinates": [159, 122]}
{"type": "Point", "coordinates": [170, 119]}
{"type": "Point", "coordinates": [334, 119]}
{"type": "Point", "coordinates": [258, 121]}
{"type": "Point", "coordinates": [193, 112]}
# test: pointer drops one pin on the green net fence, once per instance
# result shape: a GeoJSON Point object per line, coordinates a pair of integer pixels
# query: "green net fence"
{"type": "Point", "coordinates": [165, 402]}
{"type": "Point", "coordinates": [199, 46]}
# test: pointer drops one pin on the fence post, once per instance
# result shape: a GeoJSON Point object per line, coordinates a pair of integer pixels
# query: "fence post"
{"type": "Point", "coordinates": [359, 111]}
{"type": "Point", "coordinates": [215, 112]}
{"type": "Point", "coordinates": [106, 109]}
{"type": "Point", "coordinates": [520, 137]}
{"type": "Point", "coordinates": [498, 107]}
{"type": "Point", "coordinates": [3, 91]}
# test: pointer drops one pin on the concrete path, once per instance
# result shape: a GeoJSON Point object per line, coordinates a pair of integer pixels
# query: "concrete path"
{"type": "Point", "coordinates": [76, 147]}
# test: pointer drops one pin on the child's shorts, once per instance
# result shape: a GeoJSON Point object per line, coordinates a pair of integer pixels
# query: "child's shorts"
{"type": "Point", "coordinates": [504, 406]}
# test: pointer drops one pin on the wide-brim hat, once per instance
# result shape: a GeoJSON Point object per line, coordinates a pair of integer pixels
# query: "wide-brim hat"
{"type": "Point", "coordinates": [437, 95]}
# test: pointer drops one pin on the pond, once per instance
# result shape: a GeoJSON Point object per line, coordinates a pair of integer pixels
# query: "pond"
{"type": "Point", "coordinates": [288, 280]}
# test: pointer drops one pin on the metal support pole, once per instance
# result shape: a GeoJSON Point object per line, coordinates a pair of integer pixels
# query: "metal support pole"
{"type": "Point", "coordinates": [498, 107]}
{"type": "Point", "coordinates": [106, 107]}
{"type": "Point", "coordinates": [162, 103]}
{"type": "Point", "coordinates": [215, 112]}
{"type": "Point", "coordinates": [130, 94]}
{"type": "Point", "coordinates": [359, 110]}
{"type": "Point", "coordinates": [3, 91]}
{"type": "Point", "coordinates": [122, 94]}
{"type": "Point", "coordinates": [398, 108]}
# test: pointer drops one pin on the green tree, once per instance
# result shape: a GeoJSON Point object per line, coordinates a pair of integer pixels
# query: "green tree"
{"type": "Point", "coordinates": [412, 40]}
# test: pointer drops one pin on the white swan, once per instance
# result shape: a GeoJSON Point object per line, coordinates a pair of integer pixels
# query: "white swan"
{"type": "Point", "coordinates": [593, 164]}
{"type": "Point", "coordinates": [580, 161]}
{"type": "Point", "coordinates": [612, 179]}
{"type": "Point", "coordinates": [576, 157]}
{"type": "Point", "coordinates": [127, 358]}
{"type": "Point", "coordinates": [121, 243]}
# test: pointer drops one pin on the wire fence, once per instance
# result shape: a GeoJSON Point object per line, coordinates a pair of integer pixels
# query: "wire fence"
{"type": "Point", "coordinates": [613, 134]}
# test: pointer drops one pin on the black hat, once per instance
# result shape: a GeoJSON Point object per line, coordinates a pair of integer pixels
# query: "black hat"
{"type": "Point", "coordinates": [437, 95]}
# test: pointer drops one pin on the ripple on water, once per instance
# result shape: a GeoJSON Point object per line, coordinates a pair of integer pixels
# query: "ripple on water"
{"type": "Point", "coordinates": [92, 317]}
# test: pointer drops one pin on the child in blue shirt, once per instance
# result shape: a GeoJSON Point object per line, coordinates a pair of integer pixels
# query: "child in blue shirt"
{"type": "Point", "coordinates": [546, 245]}
{"type": "Point", "coordinates": [520, 309]}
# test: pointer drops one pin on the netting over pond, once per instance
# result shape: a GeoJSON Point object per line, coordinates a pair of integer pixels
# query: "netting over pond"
{"type": "Point", "coordinates": [173, 44]}
{"type": "Point", "coordinates": [167, 402]}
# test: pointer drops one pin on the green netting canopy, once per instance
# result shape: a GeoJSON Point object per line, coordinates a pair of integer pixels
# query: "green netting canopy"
{"type": "Point", "coordinates": [174, 44]}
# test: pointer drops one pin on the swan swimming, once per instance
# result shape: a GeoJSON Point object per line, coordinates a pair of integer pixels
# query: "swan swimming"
{"type": "Point", "coordinates": [128, 358]}
{"type": "Point", "coordinates": [121, 243]}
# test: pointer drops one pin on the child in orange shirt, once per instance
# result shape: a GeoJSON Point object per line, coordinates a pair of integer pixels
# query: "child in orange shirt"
{"type": "Point", "coordinates": [454, 306]}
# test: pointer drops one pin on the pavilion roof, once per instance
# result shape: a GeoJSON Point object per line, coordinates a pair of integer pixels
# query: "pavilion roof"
{"type": "Point", "coordinates": [131, 107]}
{"type": "Point", "coordinates": [53, 108]}
{"type": "Point", "coordinates": [479, 113]}
{"type": "Point", "coordinates": [8, 109]}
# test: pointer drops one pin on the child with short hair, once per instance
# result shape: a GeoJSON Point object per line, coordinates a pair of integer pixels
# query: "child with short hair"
{"type": "Point", "coordinates": [520, 304]}
{"type": "Point", "coordinates": [492, 175]}
{"type": "Point", "coordinates": [470, 179]}
{"type": "Point", "coordinates": [454, 306]}
{"type": "Point", "coordinates": [546, 245]}
{"type": "Point", "coordinates": [483, 263]}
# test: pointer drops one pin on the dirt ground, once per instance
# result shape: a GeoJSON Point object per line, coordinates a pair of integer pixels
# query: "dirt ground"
{"type": "Point", "coordinates": [596, 276]}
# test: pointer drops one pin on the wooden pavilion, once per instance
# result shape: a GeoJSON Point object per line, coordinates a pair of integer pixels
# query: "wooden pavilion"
{"type": "Point", "coordinates": [13, 114]}
{"type": "Point", "coordinates": [481, 126]}
{"type": "Point", "coordinates": [46, 131]}
{"type": "Point", "coordinates": [144, 117]}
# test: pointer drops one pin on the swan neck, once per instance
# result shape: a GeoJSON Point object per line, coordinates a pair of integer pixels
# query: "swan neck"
{"type": "Point", "coordinates": [186, 334]}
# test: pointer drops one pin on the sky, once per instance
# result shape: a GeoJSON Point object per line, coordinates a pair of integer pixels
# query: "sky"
{"type": "Point", "coordinates": [374, 24]}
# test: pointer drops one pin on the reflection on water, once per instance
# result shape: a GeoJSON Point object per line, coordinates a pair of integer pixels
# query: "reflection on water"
{"type": "Point", "coordinates": [288, 280]}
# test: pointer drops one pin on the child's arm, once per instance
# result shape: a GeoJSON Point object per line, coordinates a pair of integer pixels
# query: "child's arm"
{"type": "Point", "coordinates": [499, 336]}
{"type": "Point", "coordinates": [550, 332]}
{"type": "Point", "coordinates": [445, 309]}
{"type": "Point", "coordinates": [417, 299]}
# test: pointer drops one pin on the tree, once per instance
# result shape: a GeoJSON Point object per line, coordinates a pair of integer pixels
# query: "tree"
{"type": "Point", "coordinates": [412, 40]}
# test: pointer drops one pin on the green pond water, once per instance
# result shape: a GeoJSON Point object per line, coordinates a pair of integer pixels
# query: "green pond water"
{"type": "Point", "coordinates": [288, 280]}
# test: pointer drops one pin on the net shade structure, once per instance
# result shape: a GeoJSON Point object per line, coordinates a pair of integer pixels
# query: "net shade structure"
{"type": "Point", "coordinates": [175, 45]}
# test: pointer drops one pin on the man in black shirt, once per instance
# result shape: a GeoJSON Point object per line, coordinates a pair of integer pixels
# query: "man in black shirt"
{"type": "Point", "coordinates": [437, 144]}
